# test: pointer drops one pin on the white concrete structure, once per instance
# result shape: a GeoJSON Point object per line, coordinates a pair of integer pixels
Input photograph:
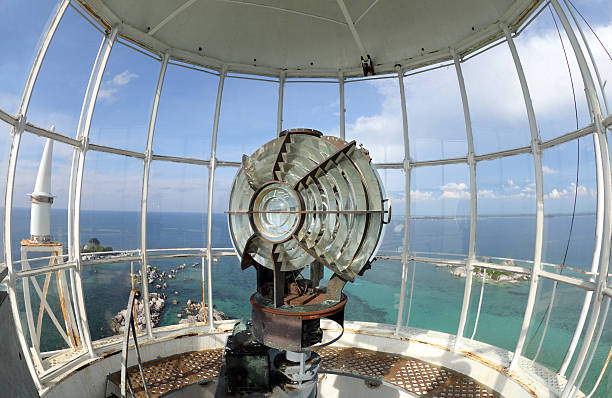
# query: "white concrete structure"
{"type": "Point", "coordinates": [41, 198]}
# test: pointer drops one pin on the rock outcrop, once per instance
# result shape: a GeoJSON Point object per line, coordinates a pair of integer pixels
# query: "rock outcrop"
{"type": "Point", "coordinates": [193, 313]}
{"type": "Point", "coordinates": [156, 305]}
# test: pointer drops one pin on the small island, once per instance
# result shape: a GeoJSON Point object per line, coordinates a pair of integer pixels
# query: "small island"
{"type": "Point", "coordinates": [489, 275]}
{"type": "Point", "coordinates": [94, 246]}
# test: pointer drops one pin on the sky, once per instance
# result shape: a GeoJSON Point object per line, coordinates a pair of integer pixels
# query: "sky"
{"type": "Point", "coordinates": [248, 120]}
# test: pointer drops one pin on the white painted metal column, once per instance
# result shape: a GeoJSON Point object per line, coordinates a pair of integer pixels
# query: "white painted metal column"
{"type": "Point", "coordinates": [601, 138]}
{"type": "Point", "coordinates": [79, 187]}
{"type": "Point", "coordinates": [342, 109]}
{"type": "Point", "coordinates": [16, 133]}
{"type": "Point", "coordinates": [599, 222]}
{"type": "Point", "coordinates": [144, 282]}
{"type": "Point", "coordinates": [537, 162]}
{"type": "Point", "coordinates": [211, 184]}
{"type": "Point", "coordinates": [601, 83]}
{"type": "Point", "coordinates": [473, 202]}
{"type": "Point", "coordinates": [407, 173]}
{"type": "Point", "coordinates": [71, 256]}
{"type": "Point", "coordinates": [281, 96]}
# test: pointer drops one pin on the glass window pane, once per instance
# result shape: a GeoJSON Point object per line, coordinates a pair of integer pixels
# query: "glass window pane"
{"type": "Point", "coordinates": [248, 117]}
{"type": "Point", "coordinates": [57, 98]}
{"type": "Point", "coordinates": [177, 205]}
{"type": "Point", "coordinates": [440, 209]}
{"type": "Point", "coordinates": [506, 207]}
{"type": "Point", "coordinates": [560, 167]}
{"type": "Point", "coordinates": [499, 118]}
{"type": "Point", "coordinates": [436, 124]}
{"type": "Point", "coordinates": [185, 114]}
{"type": "Point", "coordinates": [550, 83]}
{"type": "Point", "coordinates": [312, 105]}
{"type": "Point", "coordinates": [394, 183]}
{"type": "Point", "coordinates": [33, 17]}
{"type": "Point", "coordinates": [374, 118]}
{"type": "Point", "coordinates": [124, 103]}
{"type": "Point", "coordinates": [107, 289]}
{"type": "Point", "coordinates": [232, 287]}
{"type": "Point", "coordinates": [115, 222]}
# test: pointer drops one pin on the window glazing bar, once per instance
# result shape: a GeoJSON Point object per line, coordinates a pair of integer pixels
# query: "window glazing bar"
{"type": "Point", "coordinates": [342, 108]}
{"type": "Point", "coordinates": [473, 203]}
{"type": "Point", "coordinates": [211, 185]}
{"type": "Point", "coordinates": [599, 227]}
{"type": "Point", "coordinates": [16, 132]}
{"type": "Point", "coordinates": [144, 285]}
{"type": "Point", "coordinates": [108, 45]}
{"type": "Point", "coordinates": [604, 192]}
{"type": "Point", "coordinates": [593, 63]}
{"type": "Point", "coordinates": [537, 160]}
{"type": "Point", "coordinates": [407, 174]}
{"type": "Point", "coordinates": [279, 112]}
{"type": "Point", "coordinates": [73, 167]}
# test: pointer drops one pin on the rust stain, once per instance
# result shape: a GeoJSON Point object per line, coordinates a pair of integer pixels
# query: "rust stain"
{"type": "Point", "coordinates": [501, 369]}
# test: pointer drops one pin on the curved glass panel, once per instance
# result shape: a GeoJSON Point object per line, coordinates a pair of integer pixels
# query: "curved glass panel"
{"type": "Point", "coordinates": [124, 103]}
{"type": "Point", "coordinates": [185, 113]}
{"type": "Point", "coordinates": [177, 205]}
{"type": "Point", "coordinates": [506, 207]}
{"type": "Point", "coordinates": [374, 118]}
{"type": "Point", "coordinates": [499, 118]}
{"type": "Point", "coordinates": [248, 117]}
{"type": "Point", "coordinates": [34, 18]}
{"type": "Point", "coordinates": [311, 105]}
{"type": "Point", "coordinates": [60, 88]}
{"type": "Point", "coordinates": [440, 210]}
{"type": "Point", "coordinates": [436, 124]}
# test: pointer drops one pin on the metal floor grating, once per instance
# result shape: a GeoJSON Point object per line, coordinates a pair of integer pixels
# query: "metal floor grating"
{"type": "Point", "coordinates": [417, 377]}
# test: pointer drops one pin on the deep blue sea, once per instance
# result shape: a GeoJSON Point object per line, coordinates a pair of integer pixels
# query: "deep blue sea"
{"type": "Point", "coordinates": [437, 295]}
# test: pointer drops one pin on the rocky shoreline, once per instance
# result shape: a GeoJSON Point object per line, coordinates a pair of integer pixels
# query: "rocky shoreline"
{"type": "Point", "coordinates": [193, 313]}
{"type": "Point", "coordinates": [156, 304]}
{"type": "Point", "coordinates": [490, 275]}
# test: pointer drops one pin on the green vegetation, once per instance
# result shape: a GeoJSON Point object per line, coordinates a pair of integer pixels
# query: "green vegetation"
{"type": "Point", "coordinates": [93, 246]}
{"type": "Point", "coordinates": [492, 273]}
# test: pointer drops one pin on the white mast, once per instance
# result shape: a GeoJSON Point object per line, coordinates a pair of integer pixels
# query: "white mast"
{"type": "Point", "coordinates": [41, 198]}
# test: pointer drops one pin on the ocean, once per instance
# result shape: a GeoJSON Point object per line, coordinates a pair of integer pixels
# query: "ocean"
{"type": "Point", "coordinates": [436, 299]}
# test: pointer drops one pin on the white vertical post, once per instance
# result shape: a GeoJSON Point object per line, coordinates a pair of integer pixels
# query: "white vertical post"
{"type": "Point", "coordinates": [16, 133]}
{"type": "Point", "coordinates": [473, 202]}
{"type": "Point", "coordinates": [73, 167]}
{"type": "Point", "coordinates": [601, 83]}
{"type": "Point", "coordinates": [604, 155]}
{"type": "Point", "coordinates": [342, 109]}
{"type": "Point", "coordinates": [281, 95]}
{"type": "Point", "coordinates": [407, 173]}
{"type": "Point", "coordinates": [537, 162]}
{"type": "Point", "coordinates": [211, 185]}
{"type": "Point", "coordinates": [144, 283]}
{"type": "Point", "coordinates": [79, 185]}
{"type": "Point", "coordinates": [600, 210]}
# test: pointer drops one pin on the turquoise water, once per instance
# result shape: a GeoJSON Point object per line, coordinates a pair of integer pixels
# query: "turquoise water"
{"type": "Point", "coordinates": [436, 299]}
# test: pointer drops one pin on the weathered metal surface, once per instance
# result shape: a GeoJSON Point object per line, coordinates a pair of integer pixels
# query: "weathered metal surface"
{"type": "Point", "coordinates": [412, 375]}
{"type": "Point", "coordinates": [294, 327]}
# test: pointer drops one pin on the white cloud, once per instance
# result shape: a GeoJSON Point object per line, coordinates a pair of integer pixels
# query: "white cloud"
{"type": "Point", "coordinates": [569, 192]}
{"type": "Point", "coordinates": [110, 88]}
{"type": "Point", "coordinates": [486, 194]}
{"type": "Point", "coordinates": [548, 170]}
{"type": "Point", "coordinates": [453, 190]}
{"type": "Point", "coordinates": [418, 195]}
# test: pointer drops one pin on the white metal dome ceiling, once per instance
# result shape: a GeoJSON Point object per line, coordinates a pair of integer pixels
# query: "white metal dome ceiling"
{"type": "Point", "coordinates": [310, 38]}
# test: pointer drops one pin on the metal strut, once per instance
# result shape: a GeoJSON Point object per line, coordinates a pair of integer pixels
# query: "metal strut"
{"type": "Point", "coordinates": [129, 324]}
